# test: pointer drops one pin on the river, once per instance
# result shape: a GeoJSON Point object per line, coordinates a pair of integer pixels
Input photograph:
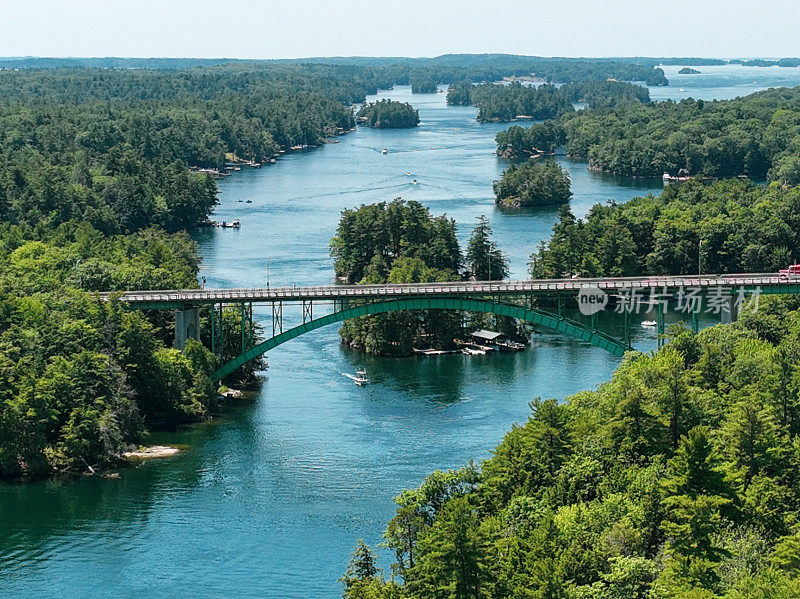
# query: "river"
{"type": "Point", "coordinates": [270, 498]}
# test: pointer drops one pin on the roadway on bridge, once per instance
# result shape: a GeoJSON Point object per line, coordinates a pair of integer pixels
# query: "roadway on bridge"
{"type": "Point", "coordinates": [768, 282]}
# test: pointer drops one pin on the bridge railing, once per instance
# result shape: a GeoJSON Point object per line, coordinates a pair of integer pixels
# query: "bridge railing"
{"type": "Point", "coordinates": [608, 284]}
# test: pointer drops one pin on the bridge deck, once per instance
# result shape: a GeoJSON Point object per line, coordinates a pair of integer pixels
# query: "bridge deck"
{"type": "Point", "coordinates": [768, 282]}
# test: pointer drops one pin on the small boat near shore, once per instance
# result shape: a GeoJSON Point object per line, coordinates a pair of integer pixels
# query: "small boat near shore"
{"type": "Point", "coordinates": [649, 324]}
{"type": "Point", "coordinates": [473, 351]}
{"type": "Point", "coordinates": [435, 352]}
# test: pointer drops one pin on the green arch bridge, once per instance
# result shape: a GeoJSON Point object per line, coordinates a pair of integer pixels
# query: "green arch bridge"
{"type": "Point", "coordinates": [520, 300]}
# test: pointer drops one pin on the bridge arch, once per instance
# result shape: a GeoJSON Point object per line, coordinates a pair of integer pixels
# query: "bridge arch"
{"type": "Point", "coordinates": [560, 324]}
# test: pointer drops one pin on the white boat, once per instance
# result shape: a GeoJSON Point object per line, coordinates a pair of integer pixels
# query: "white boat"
{"type": "Point", "coordinates": [414, 182]}
{"type": "Point", "coordinates": [434, 352]}
{"type": "Point", "coordinates": [384, 151]}
{"type": "Point", "coordinates": [408, 173]}
{"type": "Point", "coordinates": [360, 378]}
{"type": "Point", "coordinates": [649, 323]}
{"type": "Point", "coordinates": [471, 351]}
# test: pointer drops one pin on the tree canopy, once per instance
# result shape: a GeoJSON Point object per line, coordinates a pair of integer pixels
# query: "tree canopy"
{"type": "Point", "coordinates": [757, 135]}
{"type": "Point", "coordinates": [677, 478]}
{"type": "Point", "coordinates": [388, 114]}
{"type": "Point", "coordinates": [727, 227]}
{"type": "Point", "coordinates": [533, 184]}
{"type": "Point", "coordinates": [510, 102]}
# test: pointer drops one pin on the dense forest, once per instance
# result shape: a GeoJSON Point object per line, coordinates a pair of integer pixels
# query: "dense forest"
{"type": "Point", "coordinates": [388, 114]}
{"type": "Point", "coordinates": [508, 102]}
{"type": "Point", "coordinates": [376, 72]}
{"type": "Point", "coordinates": [532, 184]}
{"type": "Point", "coordinates": [79, 379]}
{"type": "Point", "coordinates": [757, 135]}
{"type": "Point", "coordinates": [96, 188]}
{"type": "Point", "coordinates": [680, 477]}
{"type": "Point", "coordinates": [493, 67]}
{"type": "Point", "coordinates": [402, 242]}
{"type": "Point", "coordinates": [538, 139]}
{"type": "Point", "coordinates": [726, 227]}
{"type": "Point", "coordinates": [423, 85]}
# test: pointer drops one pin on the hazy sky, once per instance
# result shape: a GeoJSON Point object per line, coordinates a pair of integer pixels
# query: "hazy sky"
{"type": "Point", "coordinates": [284, 29]}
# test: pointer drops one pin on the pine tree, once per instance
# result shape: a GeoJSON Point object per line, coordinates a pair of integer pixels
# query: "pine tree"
{"type": "Point", "coordinates": [485, 261]}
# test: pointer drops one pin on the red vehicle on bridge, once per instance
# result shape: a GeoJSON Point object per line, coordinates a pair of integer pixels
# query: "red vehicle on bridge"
{"type": "Point", "coordinates": [792, 272]}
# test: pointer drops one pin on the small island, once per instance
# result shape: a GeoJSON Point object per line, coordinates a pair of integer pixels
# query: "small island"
{"type": "Point", "coordinates": [533, 184]}
{"type": "Point", "coordinates": [423, 85]}
{"type": "Point", "coordinates": [688, 71]}
{"type": "Point", "coordinates": [388, 114]}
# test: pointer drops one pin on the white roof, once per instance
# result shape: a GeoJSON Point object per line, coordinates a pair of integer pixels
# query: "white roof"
{"type": "Point", "coordinates": [488, 335]}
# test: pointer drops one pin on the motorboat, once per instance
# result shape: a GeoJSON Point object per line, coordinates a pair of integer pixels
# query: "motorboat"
{"type": "Point", "coordinates": [471, 351]}
{"type": "Point", "coordinates": [359, 378]}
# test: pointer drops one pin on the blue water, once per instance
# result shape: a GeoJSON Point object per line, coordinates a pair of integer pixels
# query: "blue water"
{"type": "Point", "coordinates": [270, 498]}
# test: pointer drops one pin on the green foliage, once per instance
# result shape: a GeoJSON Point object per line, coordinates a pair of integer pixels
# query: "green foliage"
{"type": "Point", "coordinates": [484, 260]}
{"type": "Point", "coordinates": [79, 379]}
{"type": "Point", "coordinates": [678, 478]}
{"type": "Point", "coordinates": [538, 139]}
{"type": "Point", "coordinates": [513, 101]}
{"type": "Point", "coordinates": [507, 102]}
{"type": "Point", "coordinates": [397, 242]}
{"type": "Point", "coordinates": [533, 184]}
{"type": "Point", "coordinates": [401, 242]}
{"type": "Point", "coordinates": [605, 94]}
{"type": "Point", "coordinates": [757, 136]}
{"type": "Point", "coordinates": [389, 114]}
{"type": "Point", "coordinates": [743, 228]}
{"type": "Point", "coordinates": [371, 238]}
{"type": "Point", "coordinates": [363, 579]}
{"type": "Point", "coordinates": [423, 85]}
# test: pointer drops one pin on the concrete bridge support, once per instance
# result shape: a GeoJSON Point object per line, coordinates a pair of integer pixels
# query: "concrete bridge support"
{"type": "Point", "coordinates": [730, 312]}
{"type": "Point", "coordinates": [187, 326]}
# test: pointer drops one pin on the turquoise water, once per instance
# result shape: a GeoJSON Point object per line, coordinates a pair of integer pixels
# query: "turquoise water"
{"type": "Point", "coordinates": [270, 497]}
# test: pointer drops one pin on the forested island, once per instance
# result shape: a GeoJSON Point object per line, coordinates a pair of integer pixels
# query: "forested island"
{"type": "Point", "coordinates": [513, 101]}
{"type": "Point", "coordinates": [388, 114]}
{"type": "Point", "coordinates": [423, 85]}
{"type": "Point", "coordinates": [688, 71]}
{"type": "Point", "coordinates": [757, 135]}
{"type": "Point", "coordinates": [532, 184]}
{"type": "Point", "coordinates": [402, 242]}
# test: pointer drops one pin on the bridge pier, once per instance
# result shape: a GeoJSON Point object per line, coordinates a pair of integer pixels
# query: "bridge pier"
{"type": "Point", "coordinates": [187, 326]}
{"type": "Point", "coordinates": [730, 311]}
